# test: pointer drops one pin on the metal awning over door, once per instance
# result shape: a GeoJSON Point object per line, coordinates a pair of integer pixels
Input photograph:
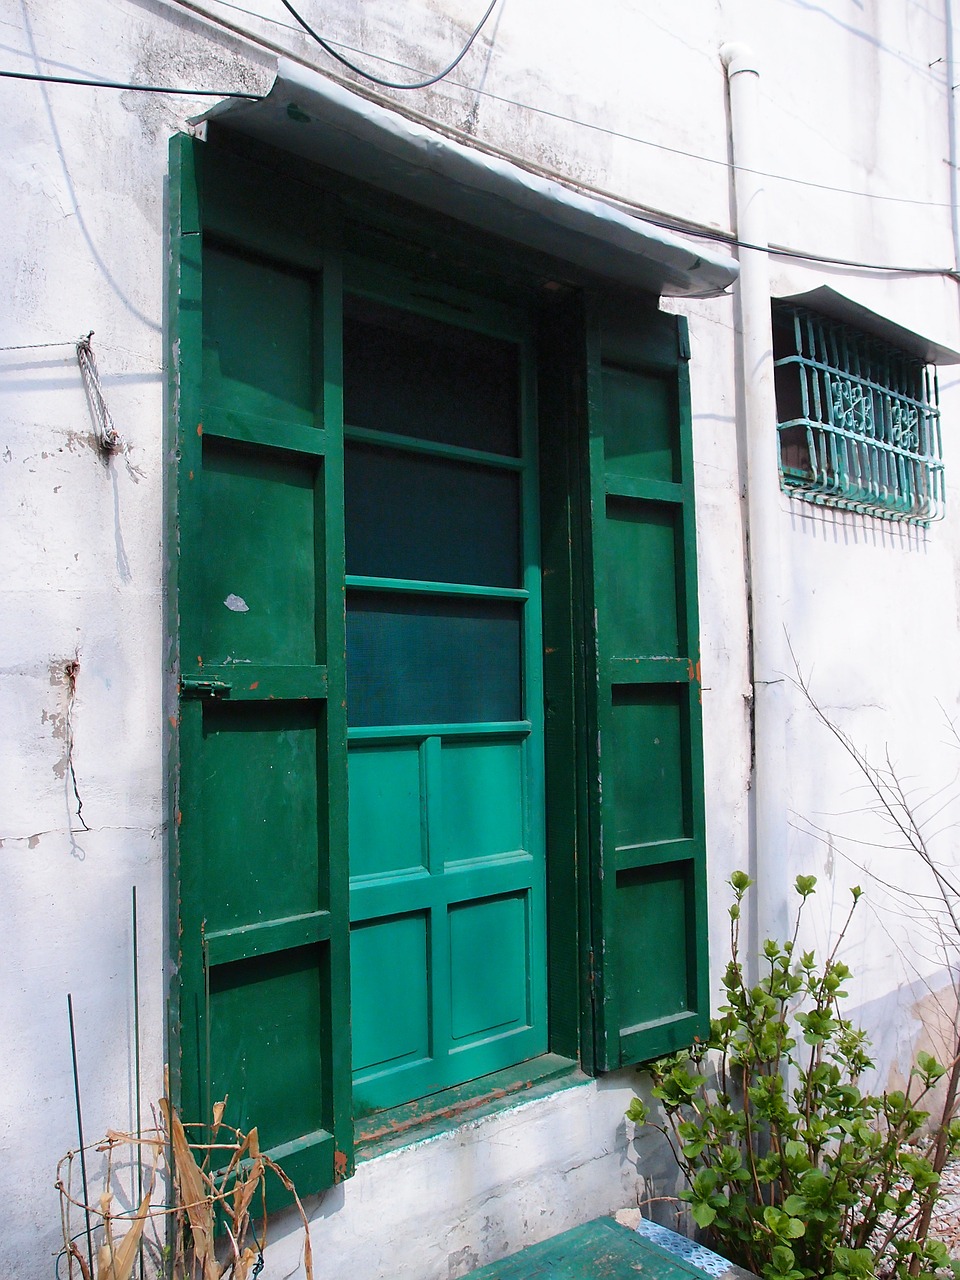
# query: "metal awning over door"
{"type": "Point", "coordinates": [322, 121]}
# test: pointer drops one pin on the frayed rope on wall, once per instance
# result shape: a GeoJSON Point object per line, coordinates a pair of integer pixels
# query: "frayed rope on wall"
{"type": "Point", "coordinates": [108, 438]}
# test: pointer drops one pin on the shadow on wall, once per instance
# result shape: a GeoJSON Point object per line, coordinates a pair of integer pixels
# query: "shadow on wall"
{"type": "Point", "coordinates": [849, 529]}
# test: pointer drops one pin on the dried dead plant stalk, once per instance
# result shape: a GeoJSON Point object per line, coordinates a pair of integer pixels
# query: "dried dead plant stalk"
{"type": "Point", "coordinates": [207, 1229]}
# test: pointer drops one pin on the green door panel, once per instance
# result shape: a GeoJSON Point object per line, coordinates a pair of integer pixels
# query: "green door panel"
{"type": "Point", "coordinates": [447, 872]}
{"type": "Point", "coordinates": [646, 829]}
{"type": "Point", "coordinates": [390, 960]}
{"type": "Point", "coordinates": [259, 588]}
{"type": "Point", "coordinates": [258, 337]}
{"type": "Point", "coordinates": [483, 789]}
{"type": "Point", "coordinates": [387, 813]}
{"type": "Point", "coordinates": [262, 763]}
{"type": "Point", "coordinates": [262, 789]}
{"type": "Point", "coordinates": [495, 933]}
{"type": "Point", "coordinates": [643, 614]}
{"type": "Point", "coordinates": [656, 998]}
{"type": "Point", "coordinates": [647, 769]}
{"type": "Point", "coordinates": [646, 445]}
{"type": "Point", "coordinates": [275, 1000]}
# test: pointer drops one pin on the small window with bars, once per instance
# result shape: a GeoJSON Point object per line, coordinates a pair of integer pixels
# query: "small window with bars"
{"type": "Point", "coordinates": [858, 419]}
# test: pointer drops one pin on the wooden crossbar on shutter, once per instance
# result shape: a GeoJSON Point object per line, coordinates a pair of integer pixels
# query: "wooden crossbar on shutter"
{"type": "Point", "coordinates": [648, 896]}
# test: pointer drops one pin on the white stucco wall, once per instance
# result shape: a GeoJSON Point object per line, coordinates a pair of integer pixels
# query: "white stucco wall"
{"type": "Point", "coordinates": [481, 1191]}
{"type": "Point", "coordinates": [631, 100]}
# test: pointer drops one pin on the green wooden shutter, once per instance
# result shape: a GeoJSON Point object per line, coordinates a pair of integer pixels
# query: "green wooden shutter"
{"type": "Point", "coordinates": [261, 810]}
{"type": "Point", "coordinates": [648, 899]}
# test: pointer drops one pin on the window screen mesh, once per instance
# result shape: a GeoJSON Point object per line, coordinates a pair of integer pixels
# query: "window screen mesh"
{"type": "Point", "coordinates": [410, 375]}
{"type": "Point", "coordinates": [431, 519]}
{"type": "Point", "coordinates": [430, 660]}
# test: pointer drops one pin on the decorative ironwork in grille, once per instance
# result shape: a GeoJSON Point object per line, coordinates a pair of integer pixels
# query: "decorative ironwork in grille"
{"type": "Point", "coordinates": [859, 420]}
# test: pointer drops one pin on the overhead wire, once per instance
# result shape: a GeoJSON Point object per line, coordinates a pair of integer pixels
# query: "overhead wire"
{"type": "Point", "coordinates": [133, 88]}
{"type": "Point", "coordinates": [782, 251]}
{"type": "Point", "coordinates": [653, 217]}
{"type": "Point", "coordinates": [368, 75]}
{"type": "Point", "coordinates": [565, 119]}
{"type": "Point", "coordinates": [512, 102]}
{"type": "Point", "coordinates": [714, 160]}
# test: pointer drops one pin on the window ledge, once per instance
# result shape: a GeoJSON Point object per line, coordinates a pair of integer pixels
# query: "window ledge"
{"type": "Point", "coordinates": [440, 1112]}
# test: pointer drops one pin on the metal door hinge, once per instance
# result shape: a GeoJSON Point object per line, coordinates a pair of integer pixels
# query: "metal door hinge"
{"type": "Point", "coordinates": [683, 339]}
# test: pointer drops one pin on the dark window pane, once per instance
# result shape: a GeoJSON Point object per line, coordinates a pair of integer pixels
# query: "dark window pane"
{"type": "Point", "coordinates": [257, 337]}
{"type": "Point", "coordinates": [414, 376]}
{"type": "Point", "coordinates": [432, 519]}
{"type": "Point", "coordinates": [426, 660]}
{"type": "Point", "coordinates": [640, 434]}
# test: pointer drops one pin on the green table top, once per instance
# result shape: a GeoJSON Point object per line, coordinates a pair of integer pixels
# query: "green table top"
{"type": "Point", "coordinates": [598, 1250]}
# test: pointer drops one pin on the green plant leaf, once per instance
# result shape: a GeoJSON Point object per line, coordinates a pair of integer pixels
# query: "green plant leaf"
{"type": "Point", "coordinates": [638, 1111]}
{"type": "Point", "coordinates": [703, 1213]}
{"type": "Point", "coordinates": [781, 1265]}
{"type": "Point", "coordinates": [792, 1176]}
{"type": "Point", "coordinates": [929, 1068]}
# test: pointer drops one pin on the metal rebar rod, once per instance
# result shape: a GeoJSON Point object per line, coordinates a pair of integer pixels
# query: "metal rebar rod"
{"type": "Point", "coordinates": [83, 1154]}
{"type": "Point", "coordinates": [136, 1060]}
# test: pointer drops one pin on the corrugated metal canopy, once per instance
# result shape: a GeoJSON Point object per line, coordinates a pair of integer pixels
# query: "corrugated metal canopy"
{"type": "Point", "coordinates": [830, 302]}
{"type": "Point", "coordinates": [324, 122]}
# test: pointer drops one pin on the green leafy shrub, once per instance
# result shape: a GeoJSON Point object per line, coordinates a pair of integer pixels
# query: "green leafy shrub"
{"type": "Point", "coordinates": [789, 1168]}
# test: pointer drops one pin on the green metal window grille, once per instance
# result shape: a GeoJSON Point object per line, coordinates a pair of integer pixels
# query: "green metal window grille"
{"type": "Point", "coordinates": [858, 420]}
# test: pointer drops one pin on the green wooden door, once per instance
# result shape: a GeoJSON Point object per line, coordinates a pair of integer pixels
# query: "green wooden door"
{"type": "Point", "coordinates": [448, 947]}
{"type": "Point", "coordinates": [647, 826]}
{"type": "Point", "coordinates": [359, 544]}
{"type": "Point", "coordinates": [262, 803]}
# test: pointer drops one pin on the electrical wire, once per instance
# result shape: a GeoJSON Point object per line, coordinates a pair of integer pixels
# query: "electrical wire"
{"type": "Point", "coordinates": [135, 88]}
{"type": "Point", "coordinates": [653, 217]}
{"type": "Point", "coordinates": [714, 160]}
{"type": "Point", "coordinates": [665, 222]}
{"type": "Point", "coordinates": [557, 115]}
{"type": "Point", "coordinates": [782, 251]}
{"type": "Point", "coordinates": [389, 84]}
{"type": "Point", "coordinates": [511, 102]}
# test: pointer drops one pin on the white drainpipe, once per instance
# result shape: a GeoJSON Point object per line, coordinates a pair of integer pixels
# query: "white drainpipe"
{"type": "Point", "coordinates": [760, 470]}
{"type": "Point", "coordinates": [953, 49]}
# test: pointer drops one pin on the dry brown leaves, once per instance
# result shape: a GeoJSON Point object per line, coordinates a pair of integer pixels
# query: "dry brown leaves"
{"type": "Point", "coordinates": [208, 1221]}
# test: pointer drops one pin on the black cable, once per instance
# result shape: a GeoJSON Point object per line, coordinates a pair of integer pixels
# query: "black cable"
{"type": "Point", "coordinates": [584, 124]}
{"type": "Point", "coordinates": [714, 160]}
{"type": "Point", "coordinates": [136, 88]}
{"type": "Point", "coordinates": [781, 251]}
{"type": "Point", "coordinates": [680, 227]}
{"type": "Point", "coordinates": [389, 84]}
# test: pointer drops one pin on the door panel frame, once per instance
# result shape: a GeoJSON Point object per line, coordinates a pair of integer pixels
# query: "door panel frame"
{"type": "Point", "coordinates": [227, 188]}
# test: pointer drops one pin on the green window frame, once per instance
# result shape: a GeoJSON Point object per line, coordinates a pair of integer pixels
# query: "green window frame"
{"type": "Point", "coordinates": [858, 419]}
{"type": "Point", "coordinates": [261, 893]}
